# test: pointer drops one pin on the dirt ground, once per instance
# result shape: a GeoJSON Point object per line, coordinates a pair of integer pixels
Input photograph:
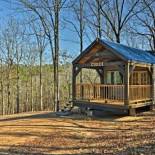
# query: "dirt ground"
{"type": "Point", "coordinates": [45, 133]}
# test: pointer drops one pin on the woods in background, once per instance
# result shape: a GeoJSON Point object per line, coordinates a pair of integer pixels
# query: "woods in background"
{"type": "Point", "coordinates": [30, 82]}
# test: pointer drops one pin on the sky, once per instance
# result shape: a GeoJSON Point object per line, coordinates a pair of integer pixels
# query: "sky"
{"type": "Point", "coordinates": [68, 42]}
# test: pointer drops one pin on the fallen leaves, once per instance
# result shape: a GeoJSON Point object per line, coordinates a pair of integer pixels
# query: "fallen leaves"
{"type": "Point", "coordinates": [45, 133]}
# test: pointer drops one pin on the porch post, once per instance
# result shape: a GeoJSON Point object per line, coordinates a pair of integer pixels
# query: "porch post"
{"type": "Point", "coordinates": [102, 77]}
{"type": "Point", "coordinates": [101, 74]}
{"type": "Point", "coordinates": [105, 75]}
{"type": "Point", "coordinates": [75, 71]}
{"type": "Point", "coordinates": [73, 83]}
{"type": "Point", "coordinates": [153, 84]}
{"type": "Point", "coordinates": [126, 84]}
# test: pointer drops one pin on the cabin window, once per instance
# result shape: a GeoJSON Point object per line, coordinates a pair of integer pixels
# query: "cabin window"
{"type": "Point", "coordinates": [140, 78]}
{"type": "Point", "coordinates": [114, 77]}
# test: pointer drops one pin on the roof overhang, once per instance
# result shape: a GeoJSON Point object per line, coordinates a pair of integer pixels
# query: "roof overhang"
{"type": "Point", "coordinates": [98, 44]}
{"type": "Point", "coordinates": [92, 45]}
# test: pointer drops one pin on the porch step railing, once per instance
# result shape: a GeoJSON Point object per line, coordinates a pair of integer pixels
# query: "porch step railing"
{"type": "Point", "coordinates": [112, 92]}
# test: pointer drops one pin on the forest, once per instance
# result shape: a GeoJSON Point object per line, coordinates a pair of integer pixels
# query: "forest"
{"type": "Point", "coordinates": [40, 38]}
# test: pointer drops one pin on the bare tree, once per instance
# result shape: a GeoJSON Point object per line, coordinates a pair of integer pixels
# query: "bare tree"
{"type": "Point", "coordinates": [48, 13]}
{"type": "Point", "coordinates": [41, 44]}
{"type": "Point", "coordinates": [18, 38]}
{"type": "Point", "coordinates": [144, 24]}
{"type": "Point", "coordinates": [30, 58]}
{"type": "Point", "coordinates": [66, 58]}
{"type": "Point", "coordinates": [8, 45]}
{"type": "Point", "coordinates": [78, 11]}
{"type": "Point", "coordinates": [1, 85]}
{"type": "Point", "coordinates": [94, 16]}
{"type": "Point", "coordinates": [118, 13]}
{"type": "Point", "coordinates": [13, 43]}
{"type": "Point", "coordinates": [1, 76]}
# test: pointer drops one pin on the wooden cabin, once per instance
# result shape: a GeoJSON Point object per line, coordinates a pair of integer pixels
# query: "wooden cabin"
{"type": "Point", "coordinates": [134, 67]}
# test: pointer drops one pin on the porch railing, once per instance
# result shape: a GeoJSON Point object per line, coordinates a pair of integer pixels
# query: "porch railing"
{"type": "Point", "coordinates": [100, 92]}
{"type": "Point", "coordinates": [112, 92]}
{"type": "Point", "coordinates": [140, 92]}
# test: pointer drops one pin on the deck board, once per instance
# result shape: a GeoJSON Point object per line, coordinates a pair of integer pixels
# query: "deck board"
{"type": "Point", "coordinates": [112, 102]}
{"type": "Point", "coordinates": [97, 103]}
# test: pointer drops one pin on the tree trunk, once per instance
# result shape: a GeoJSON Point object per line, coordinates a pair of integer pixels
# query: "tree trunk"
{"type": "Point", "coordinates": [118, 38]}
{"type": "Point", "coordinates": [41, 94]}
{"type": "Point", "coordinates": [81, 39]}
{"type": "Point", "coordinates": [17, 87]}
{"type": "Point", "coordinates": [27, 99]}
{"type": "Point", "coordinates": [99, 33]}
{"type": "Point", "coordinates": [154, 44]}
{"type": "Point", "coordinates": [2, 97]}
{"type": "Point", "coordinates": [31, 90]}
{"type": "Point", "coordinates": [56, 58]}
{"type": "Point", "coordinates": [8, 96]}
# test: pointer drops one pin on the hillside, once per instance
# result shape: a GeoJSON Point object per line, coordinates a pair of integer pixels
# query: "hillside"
{"type": "Point", "coordinates": [44, 133]}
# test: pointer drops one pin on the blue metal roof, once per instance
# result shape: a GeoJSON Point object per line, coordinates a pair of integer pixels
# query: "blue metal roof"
{"type": "Point", "coordinates": [129, 53]}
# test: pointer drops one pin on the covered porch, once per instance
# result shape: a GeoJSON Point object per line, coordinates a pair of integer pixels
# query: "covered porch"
{"type": "Point", "coordinates": [134, 89]}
